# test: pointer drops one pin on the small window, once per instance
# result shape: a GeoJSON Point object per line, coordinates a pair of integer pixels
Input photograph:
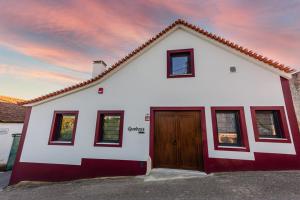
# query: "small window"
{"type": "Point", "coordinates": [109, 128]}
{"type": "Point", "coordinates": [229, 133]}
{"type": "Point", "coordinates": [63, 127]}
{"type": "Point", "coordinates": [180, 63]}
{"type": "Point", "coordinates": [229, 129]}
{"type": "Point", "coordinates": [269, 124]}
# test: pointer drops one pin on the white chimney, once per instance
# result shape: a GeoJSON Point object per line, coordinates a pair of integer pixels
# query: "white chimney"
{"type": "Point", "coordinates": [99, 66]}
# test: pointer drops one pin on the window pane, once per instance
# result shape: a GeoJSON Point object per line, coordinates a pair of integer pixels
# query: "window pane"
{"type": "Point", "coordinates": [228, 128]}
{"type": "Point", "coordinates": [65, 126]}
{"type": "Point", "coordinates": [268, 124]}
{"type": "Point", "coordinates": [110, 129]}
{"type": "Point", "coordinates": [180, 64]}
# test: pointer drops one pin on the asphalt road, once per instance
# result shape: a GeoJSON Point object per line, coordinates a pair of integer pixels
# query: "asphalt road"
{"type": "Point", "coordinates": [225, 186]}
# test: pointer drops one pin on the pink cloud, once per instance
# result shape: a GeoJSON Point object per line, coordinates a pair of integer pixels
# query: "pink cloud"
{"type": "Point", "coordinates": [90, 24]}
{"type": "Point", "coordinates": [26, 73]}
{"type": "Point", "coordinates": [70, 34]}
{"type": "Point", "coordinates": [245, 25]}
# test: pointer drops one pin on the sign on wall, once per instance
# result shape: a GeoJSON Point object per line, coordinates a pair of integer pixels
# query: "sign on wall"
{"type": "Point", "coordinates": [136, 129]}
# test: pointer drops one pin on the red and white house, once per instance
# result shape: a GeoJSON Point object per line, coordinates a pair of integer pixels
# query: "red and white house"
{"type": "Point", "coordinates": [185, 99]}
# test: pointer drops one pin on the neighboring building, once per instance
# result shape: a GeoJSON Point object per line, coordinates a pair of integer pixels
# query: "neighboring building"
{"type": "Point", "coordinates": [295, 87]}
{"type": "Point", "coordinates": [11, 124]}
{"type": "Point", "coordinates": [185, 99]}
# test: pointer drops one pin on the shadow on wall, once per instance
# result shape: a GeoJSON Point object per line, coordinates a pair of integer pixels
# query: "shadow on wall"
{"type": "Point", "coordinates": [295, 89]}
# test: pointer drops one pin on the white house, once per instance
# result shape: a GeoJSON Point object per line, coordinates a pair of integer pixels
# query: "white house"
{"type": "Point", "coordinates": [185, 99]}
{"type": "Point", "coordinates": [11, 124]}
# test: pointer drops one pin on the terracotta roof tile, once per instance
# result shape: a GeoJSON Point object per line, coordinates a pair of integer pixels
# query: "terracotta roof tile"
{"type": "Point", "coordinates": [228, 43]}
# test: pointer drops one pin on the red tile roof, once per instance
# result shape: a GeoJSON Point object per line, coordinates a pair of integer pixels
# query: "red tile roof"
{"type": "Point", "coordinates": [212, 36]}
{"type": "Point", "coordinates": [11, 113]}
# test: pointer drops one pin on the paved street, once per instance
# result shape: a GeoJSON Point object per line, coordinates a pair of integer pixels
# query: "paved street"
{"type": "Point", "coordinates": [231, 186]}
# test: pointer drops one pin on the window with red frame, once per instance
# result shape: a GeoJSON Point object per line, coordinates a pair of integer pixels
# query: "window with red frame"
{"type": "Point", "coordinates": [180, 63]}
{"type": "Point", "coordinates": [229, 131]}
{"type": "Point", "coordinates": [229, 128]}
{"type": "Point", "coordinates": [109, 129]}
{"type": "Point", "coordinates": [270, 124]}
{"type": "Point", "coordinates": [63, 127]}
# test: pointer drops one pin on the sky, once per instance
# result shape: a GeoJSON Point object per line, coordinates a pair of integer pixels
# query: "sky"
{"type": "Point", "coordinates": [47, 45]}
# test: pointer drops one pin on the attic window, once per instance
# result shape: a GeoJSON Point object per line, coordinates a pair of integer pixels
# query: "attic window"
{"type": "Point", "coordinates": [180, 63]}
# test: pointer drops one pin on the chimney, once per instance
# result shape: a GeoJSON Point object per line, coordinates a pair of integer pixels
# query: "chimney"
{"type": "Point", "coordinates": [99, 66]}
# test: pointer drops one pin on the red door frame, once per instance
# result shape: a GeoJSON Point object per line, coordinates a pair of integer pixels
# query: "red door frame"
{"type": "Point", "coordinates": [203, 130]}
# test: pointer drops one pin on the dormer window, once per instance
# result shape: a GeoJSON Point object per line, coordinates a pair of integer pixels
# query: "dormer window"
{"type": "Point", "coordinates": [180, 63]}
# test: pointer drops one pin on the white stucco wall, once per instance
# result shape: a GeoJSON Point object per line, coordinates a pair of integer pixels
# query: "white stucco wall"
{"type": "Point", "coordinates": [142, 84]}
{"type": "Point", "coordinates": [6, 139]}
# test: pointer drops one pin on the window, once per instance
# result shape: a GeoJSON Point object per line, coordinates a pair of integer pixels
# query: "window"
{"type": "Point", "coordinates": [180, 63]}
{"type": "Point", "coordinates": [109, 129]}
{"type": "Point", "coordinates": [63, 127]}
{"type": "Point", "coordinates": [270, 124]}
{"type": "Point", "coordinates": [229, 128]}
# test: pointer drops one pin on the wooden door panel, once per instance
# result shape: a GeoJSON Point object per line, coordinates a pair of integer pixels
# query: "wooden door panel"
{"type": "Point", "coordinates": [165, 151]}
{"type": "Point", "coordinates": [189, 138]}
{"type": "Point", "coordinates": [177, 140]}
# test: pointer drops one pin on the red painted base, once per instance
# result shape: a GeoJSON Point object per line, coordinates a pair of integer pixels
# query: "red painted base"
{"type": "Point", "coordinates": [262, 162]}
{"type": "Point", "coordinates": [89, 168]}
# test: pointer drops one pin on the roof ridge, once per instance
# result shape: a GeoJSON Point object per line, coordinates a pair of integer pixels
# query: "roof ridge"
{"type": "Point", "coordinates": [246, 51]}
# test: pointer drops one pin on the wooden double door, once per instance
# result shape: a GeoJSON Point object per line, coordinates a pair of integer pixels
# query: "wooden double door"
{"type": "Point", "coordinates": [178, 140]}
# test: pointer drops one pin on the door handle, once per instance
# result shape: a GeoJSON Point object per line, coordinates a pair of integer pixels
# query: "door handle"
{"type": "Point", "coordinates": [174, 142]}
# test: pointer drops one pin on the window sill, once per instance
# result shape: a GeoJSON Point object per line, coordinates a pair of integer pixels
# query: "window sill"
{"type": "Point", "coordinates": [273, 140]}
{"type": "Point", "coordinates": [231, 148]}
{"type": "Point", "coordinates": [181, 76]}
{"type": "Point", "coordinates": [60, 143]}
{"type": "Point", "coordinates": [100, 144]}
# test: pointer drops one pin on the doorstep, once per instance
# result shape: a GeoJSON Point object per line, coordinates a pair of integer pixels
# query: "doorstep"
{"type": "Point", "coordinates": [164, 174]}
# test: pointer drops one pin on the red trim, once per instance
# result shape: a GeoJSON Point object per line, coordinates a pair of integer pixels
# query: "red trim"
{"type": "Point", "coordinates": [292, 118]}
{"type": "Point", "coordinates": [283, 123]}
{"type": "Point", "coordinates": [89, 168]}
{"type": "Point", "coordinates": [98, 132]}
{"type": "Point", "coordinates": [169, 65]}
{"type": "Point", "coordinates": [203, 129]}
{"type": "Point", "coordinates": [51, 140]}
{"type": "Point", "coordinates": [243, 127]}
{"type": "Point", "coordinates": [21, 144]}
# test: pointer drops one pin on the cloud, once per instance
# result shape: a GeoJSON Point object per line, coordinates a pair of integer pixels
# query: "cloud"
{"type": "Point", "coordinates": [26, 73]}
{"type": "Point", "coordinates": [262, 26]}
{"type": "Point", "coordinates": [70, 34]}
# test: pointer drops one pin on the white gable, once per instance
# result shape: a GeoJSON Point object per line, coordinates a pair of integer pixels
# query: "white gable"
{"type": "Point", "coordinates": [215, 48]}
